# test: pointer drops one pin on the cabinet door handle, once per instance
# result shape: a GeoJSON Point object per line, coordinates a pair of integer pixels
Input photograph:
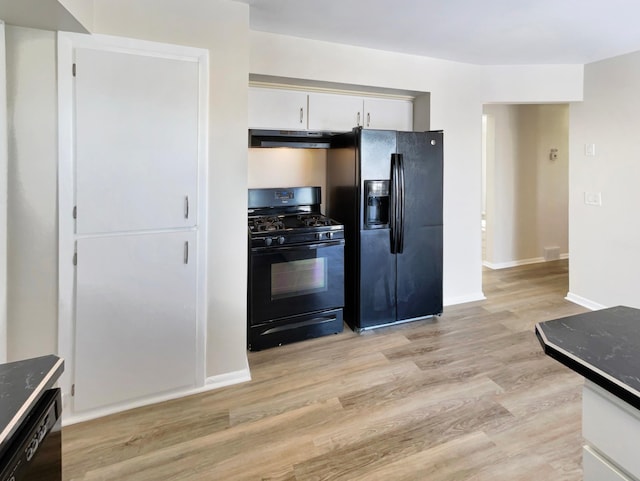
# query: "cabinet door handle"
{"type": "Point", "coordinates": [358, 120]}
{"type": "Point", "coordinates": [186, 206]}
{"type": "Point", "coordinates": [301, 114]}
{"type": "Point", "coordinates": [368, 119]}
{"type": "Point", "coordinates": [186, 252]}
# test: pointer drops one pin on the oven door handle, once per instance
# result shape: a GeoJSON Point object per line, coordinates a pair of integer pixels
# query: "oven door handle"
{"type": "Point", "coordinates": [316, 321]}
{"type": "Point", "coordinates": [297, 247]}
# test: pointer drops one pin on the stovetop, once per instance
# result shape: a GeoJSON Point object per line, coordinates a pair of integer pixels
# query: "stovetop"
{"type": "Point", "coordinates": [272, 223]}
{"type": "Point", "coordinates": [278, 230]}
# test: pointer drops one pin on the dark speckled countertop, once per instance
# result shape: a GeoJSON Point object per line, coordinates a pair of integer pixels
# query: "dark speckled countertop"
{"type": "Point", "coordinates": [603, 346]}
{"type": "Point", "coordinates": [22, 384]}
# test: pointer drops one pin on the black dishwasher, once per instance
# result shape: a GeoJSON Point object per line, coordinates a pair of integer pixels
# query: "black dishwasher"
{"type": "Point", "coordinates": [34, 452]}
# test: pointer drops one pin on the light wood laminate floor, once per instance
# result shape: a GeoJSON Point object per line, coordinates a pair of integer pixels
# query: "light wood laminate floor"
{"type": "Point", "coordinates": [467, 396]}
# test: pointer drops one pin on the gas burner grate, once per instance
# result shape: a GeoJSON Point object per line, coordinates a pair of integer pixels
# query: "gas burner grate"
{"type": "Point", "coordinates": [314, 220]}
{"type": "Point", "coordinates": [265, 224]}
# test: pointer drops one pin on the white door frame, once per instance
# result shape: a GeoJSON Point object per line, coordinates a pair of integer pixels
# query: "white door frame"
{"type": "Point", "coordinates": [4, 160]}
{"type": "Point", "coordinates": [67, 42]}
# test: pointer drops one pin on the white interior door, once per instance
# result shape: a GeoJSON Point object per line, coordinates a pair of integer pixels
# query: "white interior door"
{"type": "Point", "coordinates": [135, 317]}
{"type": "Point", "coordinates": [136, 141]}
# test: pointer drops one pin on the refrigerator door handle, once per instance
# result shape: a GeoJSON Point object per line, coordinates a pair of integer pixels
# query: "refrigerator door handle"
{"type": "Point", "coordinates": [401, 194]}
{"type": "Point", "coordinates": [393, 221]}
{"type": "Point", "coordinates": [392, 207]}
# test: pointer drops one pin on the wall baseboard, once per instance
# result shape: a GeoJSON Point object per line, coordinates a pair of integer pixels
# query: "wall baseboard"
{"type": "Point", "coordinates": [584, 302]}
{"type": "Point", "coordinates": [228, 379]}
{"type": "Point", "coordinates": [452, 301]}
{"type": "Point", "coordinates": [211, 383]}
{"type": "Point", "coordinates": [521, 262]}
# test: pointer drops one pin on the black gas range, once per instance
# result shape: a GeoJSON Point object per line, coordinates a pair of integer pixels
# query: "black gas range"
{"type": "Point", "coordinates": [296, 268]}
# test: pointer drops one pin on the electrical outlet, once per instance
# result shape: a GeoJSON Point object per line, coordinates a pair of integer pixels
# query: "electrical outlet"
{"type": "Point", "coordinates": [593, 198]}
{"type": "Point", "coordinates": [590, 149]}
{"type": "Point", "coordinates": [553, 155]}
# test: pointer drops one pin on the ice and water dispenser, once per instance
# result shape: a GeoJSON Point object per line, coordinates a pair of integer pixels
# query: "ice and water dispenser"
{"type": "Point", "coordinates": [377, 204]}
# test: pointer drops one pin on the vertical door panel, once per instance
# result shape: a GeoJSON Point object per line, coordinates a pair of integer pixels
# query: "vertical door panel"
{"type": "Point", "coordinates": [423, 177]}
{"type": "Point", "coordinates": [419, 287]}
{"type": "Point", "coordinates": [135, 317]}
{"type": "Point", "coordinates": [377, 270]}
{"type": "Point", "coordinates": [420, 273]}
{"type": "Point", "coordinates": [377, 279]}
{"type": "Point", "coordinates": [375, 149]}
{"type": "Point", "coordinates": [137, 141]}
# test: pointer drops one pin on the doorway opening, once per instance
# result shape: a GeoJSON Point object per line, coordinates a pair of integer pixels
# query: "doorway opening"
{"type": "Point", "coordinates": [525, 184]}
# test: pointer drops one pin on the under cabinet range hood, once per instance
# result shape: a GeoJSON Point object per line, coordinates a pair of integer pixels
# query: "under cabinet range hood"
{"type": "Point", "coordinates": [300, 139]}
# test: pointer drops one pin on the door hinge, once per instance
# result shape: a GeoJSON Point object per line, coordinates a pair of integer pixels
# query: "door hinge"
{"type": "Point", "coordinates": [75, 211]}
{"type": "Point", "coordinates": [73, 70]}
{"type": "Point", "coordinates": [73, 389]}
{"type": "Point", "coordinates": [75, 258]}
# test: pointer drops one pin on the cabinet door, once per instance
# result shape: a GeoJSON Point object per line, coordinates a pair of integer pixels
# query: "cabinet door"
{"type": "Point", "coordinates": [388, 114]}
{"type": "Point", "coordinates": [597, 468]}
{"type": "Point", "coordinates": [277, 109]}
{"type": "Point", "coordinates": [135, 317]}
{"type": "Point", "coordinates": [136, 141]}
{"type": "Point", "coordinates": [334, 112]}
{"type": "Point", "coordinates": [611, 427]}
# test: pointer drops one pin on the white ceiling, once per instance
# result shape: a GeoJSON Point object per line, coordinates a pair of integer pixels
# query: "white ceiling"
{"type": "Point", "coordinates": [473, 31]}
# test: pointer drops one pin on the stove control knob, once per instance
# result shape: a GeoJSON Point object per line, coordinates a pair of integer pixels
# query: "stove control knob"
{"type": "Point", "coordinates": [329, 235]}
{"type": "Point", "coordinates": [281, 240]}
{"type": "Point", "coordinates": [319, 236]}
{"type": "Point", "coordinates": [268, 241]}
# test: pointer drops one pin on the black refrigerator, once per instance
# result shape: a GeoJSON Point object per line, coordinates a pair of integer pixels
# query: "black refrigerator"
{"type": "Point", "coordinates": [386, 188]}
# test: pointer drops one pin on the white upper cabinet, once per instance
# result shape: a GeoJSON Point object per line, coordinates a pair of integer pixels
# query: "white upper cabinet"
{"type": "Point", "coordinates": [277, 109]}
{"type": "Point", "coordinates": [136, 142]}
{"type": "Point", "coordinates": [388, 114]}
{"type": "Point", "coordinates": [271, 108]}
{"type": "Point", "coordinates": [334, 112]}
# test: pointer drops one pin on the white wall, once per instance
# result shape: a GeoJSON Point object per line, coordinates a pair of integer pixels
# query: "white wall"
{"type": "Point", "coordinates": [223, 28]}
{"type": "Point", "coordinates": [457, 94]}
{"type": "Point", "coordinates": [527, 193]}
{"type": "Point", "coordinates": [539, 84]}
{"type": "Point", "coordinates": [287, 168]}
{"type": "Point", "coordinates": [604, 240]}
{"type": "Point", "coordinates": [548, 126]}
{"type": "Point", "coordinates": [32, 217]}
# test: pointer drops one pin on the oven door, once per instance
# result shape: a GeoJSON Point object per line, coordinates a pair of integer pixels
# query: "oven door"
{"type": "Point", "coordinates": [292, 280]}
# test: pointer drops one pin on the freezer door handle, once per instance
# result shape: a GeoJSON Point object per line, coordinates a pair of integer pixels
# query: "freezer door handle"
{"type": "Point", "coordinates": [400, 222]}
{"type": "Point", "coordinates": [394, 214]}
